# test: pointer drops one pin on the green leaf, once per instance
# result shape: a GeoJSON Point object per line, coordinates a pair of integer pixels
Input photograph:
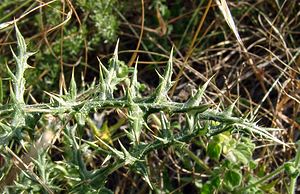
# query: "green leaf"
{"type": "Point", "coordinates": [98, 178]}
{"type": "Point", "coordinates": [239, 151]}
{"type": "Point", "coordinates": [190, 124]}
{"type": "Point", "coordinates": [21, 60]}
{"type": "Point", "coordinates": [141, 168]}
{"type": "Point", "coordinates": [216, 182]}
{"type": "Point", "coordinates": [165, 127]}
{"type": "Point", "coordinates": [21, 41]}
{"type": "Point", "coordinates": [206, 189]}
{"type": "Point", "coordinates": [123, 70]}
{"type": "Point", "coordinates": [253, 128]}
{"type": "Point", "coordinates": [19, 117]}
{"type": "Point", "coordinates": [136, 121]}
{"type": "Point", "coordinates": [10, 73]}
{"type": "Point", "coordinates": [73, 87]}
{"type": "Point", "coordinates": [57, 98]}
{"type": "Point", "coordinates": [102, 82]}
{"type": "Point", "coordinates": [114, 151]}
{"type": "Point", "coordinates": [166, 83]}
{"type": "Point", "coordinates": [80, 118]}
{"type": "Point", "coordinates": [114, 66]}
{"type": "Point", "coordinates": [111, 77]}
{"type": "Point", "coordinates": [239, 156]}
{"type": "Point", "coordinates": [229, 110]}
{"type": "Point", "coordinates": [134, 83]}
{"type": "Point", "coordinates": [214, 150]}
{"type": "Point", "coordinates": [232, 179]}
{"type": "Point", "coordinates": [196, 99]}
{"type": "Point", "coordinates": [253, 164]}
{"type": "Point", "coordinates": [128, 158]}
{"type": "Point", "coordinates": [6, 133]}
{"type": "Point", "coordinates": [290, 169]}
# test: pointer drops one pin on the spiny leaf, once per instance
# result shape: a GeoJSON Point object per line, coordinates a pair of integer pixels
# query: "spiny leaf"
{"type": "Point", "coordinates": [10, 73]}
{"type": "Point", "coordinates": [99, 176]}
{"type": "Point", "coordinates": [229, 110]}
{"type": "Point", "coordinates": [134, 82]}
{"type": "Point", "coordinates": [196, 99]}
{"type": "Point", "coordinates": [165, 126]}
{"type": "Point", "coordinates": [5, 127]}
{"type": "Point", "coordinates": [5, 137]}
{"type": "Point", "coordinates": [113, 69]}
{"type": "Point", "coordinates": [103, 72]}
{"type": "Point", "coordinates": [80, 118]}
{"type": "Point", "coordinates": [165, 82]}
{"type": "Point", "coordinates": [23, 55]}
{"type": "Point", "coordinates": [21, 41]}
{"type": "Point", "coordinates": [190, 122]}
{"type": "Point", "coordinates": [164, 140]}
{"type": "Point", "coordinates": [259, 130]}
{"type": "Point", "coordinates": [141, 168]}
{"type": "Point", "coordinates": [19, 117]}
{"type": "Point", "coordinates": [21, 60]}
{"type": "Point", "coordinates": [12, 94]}
{"type": "Point", "coordinates": [129, 96]}
{"type": "Point", "coordinates": [114, 65]}
{"type": "Point", "coordinates": [106, 159]}
{"type": "Point", "coordinates": [113, 150]}
{"type": "Point", "coordinates": [136, 121]}
{"type": "Point", "coordinates": [129, 159]}
{"type": "Point", "coordinates": [112, 79]}
{"type": "Point", "coordinates": [73, 87]}
{"type": "Point", "coordinates": [57, 98]}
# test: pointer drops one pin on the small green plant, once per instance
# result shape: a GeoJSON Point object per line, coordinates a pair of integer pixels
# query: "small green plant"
{"type": "Point", "coordinates": [96, 24]}
{"type": "Point", "coordinates": [68, 117]}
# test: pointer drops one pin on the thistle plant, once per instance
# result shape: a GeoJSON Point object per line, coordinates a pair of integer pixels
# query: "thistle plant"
{"type": "Point", "coordinates": [72, 111]}
{"type": "Point", "coordinates": [18, 81]}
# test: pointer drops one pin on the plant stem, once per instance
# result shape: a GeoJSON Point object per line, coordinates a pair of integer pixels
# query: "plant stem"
{"type": "Point", "coordinates": [296, 165]}
{"type": "Point", "coordinates": [196, 159]}
{"type": "Point", "coordinates": [266, 177]}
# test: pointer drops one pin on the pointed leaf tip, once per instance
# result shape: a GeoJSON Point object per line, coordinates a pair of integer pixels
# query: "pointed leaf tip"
{"type": "Point", "coordinates": [229, 110]}
{"type": "Point", "coordinates": [165, 81]}
{"type": "Point", "coordinates": [169, 71]}
{"type": "Point", "coordinates": [134, 82]}
{"type": "Point", "coordinates": [116, 50]}
{"type": "Point", "coordinates": [73, 86]}
{"type": "Point", "coordinates": [196, 99]}
{"type": "Point", "coordinates": [117, 46]}
{"type": "Point", "coordinates": [20, 40]}
{"type": "Point", "coordinates": [113, 67]}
